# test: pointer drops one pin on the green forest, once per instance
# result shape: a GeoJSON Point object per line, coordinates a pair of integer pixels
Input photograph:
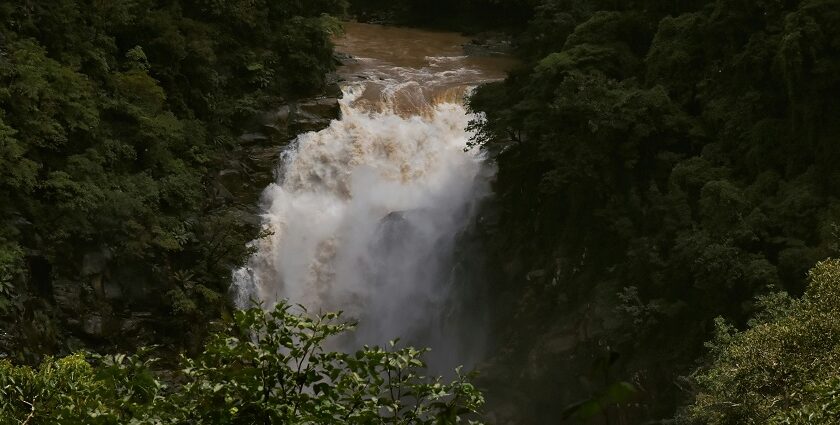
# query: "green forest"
{"type": "Point", "coordinates": [664, 164]}
{"type": "Point", "coordinates": [116, 119]}
{"type": "Point", "coordinates": [662, 245]}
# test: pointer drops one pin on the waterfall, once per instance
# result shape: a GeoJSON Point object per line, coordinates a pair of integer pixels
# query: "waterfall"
{"type": "Point", "coordinates": [365, 214]}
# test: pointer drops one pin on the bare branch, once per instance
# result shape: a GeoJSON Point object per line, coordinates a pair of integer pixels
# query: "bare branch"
{"type": "Point", "coordinates": [31, 410]}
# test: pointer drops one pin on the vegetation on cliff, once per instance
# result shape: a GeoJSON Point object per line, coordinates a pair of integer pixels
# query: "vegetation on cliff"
{"type": "Point", "coordinates": [660, 164]}
{"type": "Point", "coordinates": [785, 369]}
{"type": "Point", "coordinates": [666, 175]}
{"type": "Point", "coordinates": [115, 120]}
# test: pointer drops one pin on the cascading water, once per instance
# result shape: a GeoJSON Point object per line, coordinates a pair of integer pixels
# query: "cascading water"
{"type": "Point", "coordinates": [365, 215]}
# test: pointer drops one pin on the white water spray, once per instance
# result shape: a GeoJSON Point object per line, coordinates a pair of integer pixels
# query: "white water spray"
{"type": "Point", "coordinates": [366, 213]}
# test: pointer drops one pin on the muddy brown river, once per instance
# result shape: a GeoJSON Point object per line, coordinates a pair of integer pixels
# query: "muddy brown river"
{"type": "Point", "coordinates": [410, 69]}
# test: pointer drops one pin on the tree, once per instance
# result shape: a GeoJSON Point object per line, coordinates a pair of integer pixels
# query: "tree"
{"type": "Point", "coordinates": [116, 122]}
{"type": "Point", "coordinates": [684, 149]}
{"type": "Point", "coordinates": [260, 368]}
{"type": "Point", "coordinates": [784, 368]}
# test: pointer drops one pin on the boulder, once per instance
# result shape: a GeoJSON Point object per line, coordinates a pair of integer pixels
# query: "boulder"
{"type": "Point", "coordinates": [252, 138]}
{"type": "Point", "coordinates": [342, 58]}
{"type": "Point", "coordinates": [489, 44]}
{"type": "Point", "coordinates": [136, 321]}
{"type": "Point", "coordinates": [112, 290]}
{"type": "Point", "coordinates": [95, 262]}
{"type": "Point", "coordinates": [313, 114]}
{"type": "Point", "coordinates": [92, 325]}
{"type": "Point", "coordinates": [68, 296]}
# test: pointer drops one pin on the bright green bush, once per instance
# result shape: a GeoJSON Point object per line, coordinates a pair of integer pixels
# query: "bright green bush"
{"type": "Point", "coordinates": [261, 368]}
{"type": "Point", "coordinates": [784, 369]}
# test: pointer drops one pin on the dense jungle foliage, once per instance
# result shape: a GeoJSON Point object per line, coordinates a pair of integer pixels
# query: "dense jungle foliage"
{"type": "Point", "coordinates": [667, 175]}
{"type": "Point", "coordinates": [261, 368]}
{"type": "Point", "coordinates": [661, 164]}
{"type": "Point", "coordinates": [115, 118]}
{"type": "Point", "coordinates": [784, 368]}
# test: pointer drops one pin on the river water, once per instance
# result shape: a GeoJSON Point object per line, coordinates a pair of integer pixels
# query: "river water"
{"type": "Point", "coordinates": [366, 214]}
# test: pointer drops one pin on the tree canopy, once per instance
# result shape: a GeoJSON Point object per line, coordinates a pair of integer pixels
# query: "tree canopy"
{"type": "Point", "coordinates": [660, 164]}
{"type": "Point", "coordinates": [784, 368]}
{"type": "Point", "coordinates": [116, 119]}
{"type": "Point", "coordinates": [666, 176]}
{"type": "Point", "coordinates": [260, 368]}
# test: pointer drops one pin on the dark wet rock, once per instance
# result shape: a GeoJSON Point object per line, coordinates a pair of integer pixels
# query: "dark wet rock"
{"type": "Point", "coordinates": [489, 44]}
{"type": "Point", "coordinates": [92, 325]}
{"type": "Point", "coordinates": [282, 124]}
{"type": "Point", "coordinates": [378, 17]}
{"type": "Point", "coordinates": [535, 274]}
{"type": "Point", "coordinates": [273, 125]}
{"type": "Point", "coordinates": [220, 191]}
{"type": "Point", "coordinates": [251, 138]}
{"type": "Point", "coordinates": [342, 58]}
{"type": "Point", "coordinates": [252, 216]}
{"type": "Point", "coordinates": [261, 165]}
{"type": "Point", "coordinates": [314, 114]}
{"type": "Point", "coordinates": [75, 345]}
{"type": "Point", "coordinates": [326, 108]}
{"type": "Point", "coordinates": [68, 296]}
{"type": "Point", "coordinates": [108, 310]}
{"type": "Point", "coordinates": [280, 117]}
{"type": "Point", "coordinates": [136, 321]}
{"type": "Point", "coordinates": [229, 178]}
{"type": "Point", "coordinates": [252, 166]}
{"type": "Point", "coordinates": [287, 121]}
{"type": "Point", "coordinates": [112, 290]}
{"type": "Point", "coordinates": [333, 90]}
{"type": "Point", "coordinates": [95, 262]}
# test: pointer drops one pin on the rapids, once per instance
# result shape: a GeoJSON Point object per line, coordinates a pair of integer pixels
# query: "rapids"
{"type": "Point", "coordinates": [365, 214]}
